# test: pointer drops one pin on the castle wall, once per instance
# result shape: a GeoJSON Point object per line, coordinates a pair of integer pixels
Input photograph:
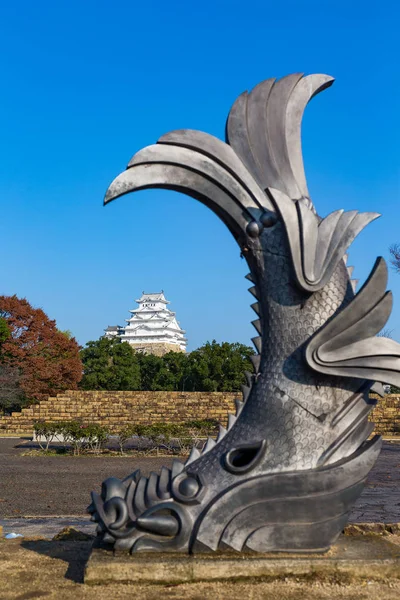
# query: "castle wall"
{"type": "Point", "coordinates": [116, 409]}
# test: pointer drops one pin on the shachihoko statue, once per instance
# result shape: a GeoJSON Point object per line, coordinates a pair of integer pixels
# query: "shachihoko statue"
{"type": "Point", "coordinates": [294, 458]}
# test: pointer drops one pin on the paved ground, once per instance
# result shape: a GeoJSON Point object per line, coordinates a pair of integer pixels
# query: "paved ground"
{"type": "Point", "coordinates": [61, 485]}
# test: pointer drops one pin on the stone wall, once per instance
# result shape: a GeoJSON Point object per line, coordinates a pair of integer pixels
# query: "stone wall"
{"type": "Point", "coordinates": [386, 415]}
{"type": "Point", "coordinates": [157, 349]}
{"type": "Point", "coordinates": [116, 409]}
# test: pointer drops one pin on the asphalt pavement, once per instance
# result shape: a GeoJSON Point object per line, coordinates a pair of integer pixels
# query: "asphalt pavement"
{"type": "Point", "coordinates": [60, 486]}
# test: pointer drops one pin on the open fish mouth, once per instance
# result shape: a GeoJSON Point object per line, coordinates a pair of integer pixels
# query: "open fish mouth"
{"type": "Point", "coordinates": [293, 459]}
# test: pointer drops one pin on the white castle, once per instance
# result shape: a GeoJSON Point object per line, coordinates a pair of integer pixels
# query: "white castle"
{"type": "Point", "coordinates": [152, 328]}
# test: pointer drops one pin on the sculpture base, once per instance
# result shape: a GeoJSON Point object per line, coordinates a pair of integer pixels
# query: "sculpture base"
{"type": "Point", "coordinates": [352, 558]}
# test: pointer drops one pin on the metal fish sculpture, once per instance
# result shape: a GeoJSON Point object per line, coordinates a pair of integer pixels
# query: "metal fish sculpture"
{"type": "Point", "coordinates": [293, 460]}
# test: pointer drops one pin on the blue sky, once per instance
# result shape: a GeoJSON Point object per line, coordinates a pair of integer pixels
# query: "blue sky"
{"type": "Point", "coordinates": [87, 84]}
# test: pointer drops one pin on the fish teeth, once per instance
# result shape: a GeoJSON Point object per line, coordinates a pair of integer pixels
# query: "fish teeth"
{"type": "Point", "coordinates": [231, 421]}
{"type": "Point", "coordinates": [257, 324]}
{"type": "Point", "coordinates": [250, 277]}
{"type": "Point", "coordinates": [256, 359]}
{"type": "Point", "coordinates": [221, 433]}
{"type": "Point", "coordinates": [257, 341]}
{"type": "Point", "coordinates": [239, 406]}
{"type": "Point", "coordinates": [256, 307]}
{"type": "Point", "coordinates": [194, 455]}
{"type": "Point", "coordinates": [210, 443]}
{"type": "Point", "coordinates": [253, 290]}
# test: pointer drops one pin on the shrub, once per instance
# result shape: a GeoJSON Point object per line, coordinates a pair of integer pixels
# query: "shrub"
{"type": "Point", "coordinates": [124, 434]}
{"type": "Point", "coordinates": [47, 430]}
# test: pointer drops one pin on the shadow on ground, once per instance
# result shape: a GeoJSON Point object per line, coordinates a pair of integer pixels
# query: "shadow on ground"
{"type": "Point", "coordinates": [75, 554]}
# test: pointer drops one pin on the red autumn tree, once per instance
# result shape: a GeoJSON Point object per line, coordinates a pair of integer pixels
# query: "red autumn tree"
{"type": "Point", "coordinates": [46, 359]}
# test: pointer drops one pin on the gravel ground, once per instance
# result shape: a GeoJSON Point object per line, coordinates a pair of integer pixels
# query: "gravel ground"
{"type": "Point", "coordinates": [33, 486]}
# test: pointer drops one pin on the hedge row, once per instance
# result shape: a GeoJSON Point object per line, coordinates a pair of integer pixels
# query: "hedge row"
{"type": "Point", "coordinates": [175, 438]}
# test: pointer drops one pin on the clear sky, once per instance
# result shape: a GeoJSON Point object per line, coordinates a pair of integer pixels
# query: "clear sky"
{"type": "Point", "coordinates": [85, 84]}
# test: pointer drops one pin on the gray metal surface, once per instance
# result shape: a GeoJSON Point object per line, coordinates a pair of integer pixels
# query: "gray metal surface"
{"type": "Point", "coordinates": [294, 458]}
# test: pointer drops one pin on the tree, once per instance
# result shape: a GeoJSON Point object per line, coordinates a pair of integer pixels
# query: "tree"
{"type": "Point", "coordinates": [218, 367]}
{"type": "Point", "coordinates": [395, 256]}
{"type": "Point", "coordinates": [163, 372]}
{"type": "Point", "coordinates": [110, 364]}
{"type": "Point", "coordinates": [11, 394]}
{"type": "Point", "coordinates": [43, 360]}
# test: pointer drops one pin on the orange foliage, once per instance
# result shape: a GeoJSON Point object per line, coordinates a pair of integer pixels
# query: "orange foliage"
{"type": "Point", "coordinates": [47, 359]}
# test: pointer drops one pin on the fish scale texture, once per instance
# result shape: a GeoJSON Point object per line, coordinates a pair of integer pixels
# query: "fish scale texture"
{"type": "Point", "coordinates": [289, 405]}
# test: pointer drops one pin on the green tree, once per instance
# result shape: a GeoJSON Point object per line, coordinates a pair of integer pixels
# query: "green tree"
{"type": "Point", "coordinates": [218, 367]}
{"type": "Point", "coordinates": [109, 364]}
{"type": "Point", "coordinates": [163, 372]}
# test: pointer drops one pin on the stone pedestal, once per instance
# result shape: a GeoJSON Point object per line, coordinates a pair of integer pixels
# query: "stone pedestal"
{"type": "Point", "coordinates": [352, 558]}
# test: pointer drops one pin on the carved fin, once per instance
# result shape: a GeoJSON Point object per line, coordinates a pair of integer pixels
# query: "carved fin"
{"type": "Point", "coordinates": [257, 341]}
{"type": "Point", "coordinates": [239, 406]}
{"type": "Point", "coordinates": [257, 325]}
{"type": "Point", "coordinates": [192, 173]}
{"type": "Point", "coordinates": [139, 497]}
{"type": "Point", "coordinates": [231, 421]}
{"type": "Point", "coordinates": [245, 391]}
{"type": "Point", "coordinates": [163, 488]}
{"type": "Point", "coordinates": [249, 378]}
{"type": "Point", "coordinates": [256, 359]}
{"type": "Point", "coordinates": [151, 495]}
{"type": "Point", "coordinates": [250, 277]}
{"type": "Point", "coordinates": [345, 346]}
{"type": "Point", "coordinates": [256, 307]}
{"type": "Point", "coordinates": [317, 246]}
{"type": "Point", "coordinates": [177, 467]}
{"type": "Point", "coordinates": [264, 128]}
{"type": "Point", "coordinates": [350, 271]}
{"type": "Point", "coordinates": [221, 433]}
{"type": "Point", "coordinates": [377, 388]}
{"type": "Point", "coordinates": [194, 455]}
{"type": "Point", "coordinates": [210, 443]}
{"type": "Point", "coordinates": [253, 290]}
{"type": "Point", "coordinates": [354, 283]}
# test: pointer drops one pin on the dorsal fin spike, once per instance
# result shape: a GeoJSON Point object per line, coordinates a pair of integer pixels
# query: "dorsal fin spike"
{"type": "Point", "coordinates": [194, 455]}
{"type": "Point", "coordinates": [256, 307]}
{"type": "Point", "coordinates": [239, 406]}
{"type": "Point", "coordinates": [210, 443]}
{"type": "Point", "coordinates": [246, 392]}
{"type": "Point", "coordinates": [257, 341]}
{"type": "Point", "coordinates": [231, 421]}
{"type": "Point", "coordinates": [249, 378]}
{"type": "Point", "coordinates": [253, 290]}
{"type": "Point", "coordinates": [256, 359]}
{"type": "Point", "coordinates": [221, 433]}
{"type": "Point", "coordinates": [249, 277]}
{"type": "Point", "coordinates": [177, 467]}
{"type": "Point", "coordinates": [257, 324]}
{"type": "Point", "coordinates": [350, 271]}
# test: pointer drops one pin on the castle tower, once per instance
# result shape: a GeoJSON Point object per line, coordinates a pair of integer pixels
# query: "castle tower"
{"type": "Point", "coordinates": [152, 328]}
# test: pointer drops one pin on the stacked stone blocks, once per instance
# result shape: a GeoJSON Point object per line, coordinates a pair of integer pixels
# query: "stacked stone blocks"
{"type": "Point", "coordinates": [117, 409]}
